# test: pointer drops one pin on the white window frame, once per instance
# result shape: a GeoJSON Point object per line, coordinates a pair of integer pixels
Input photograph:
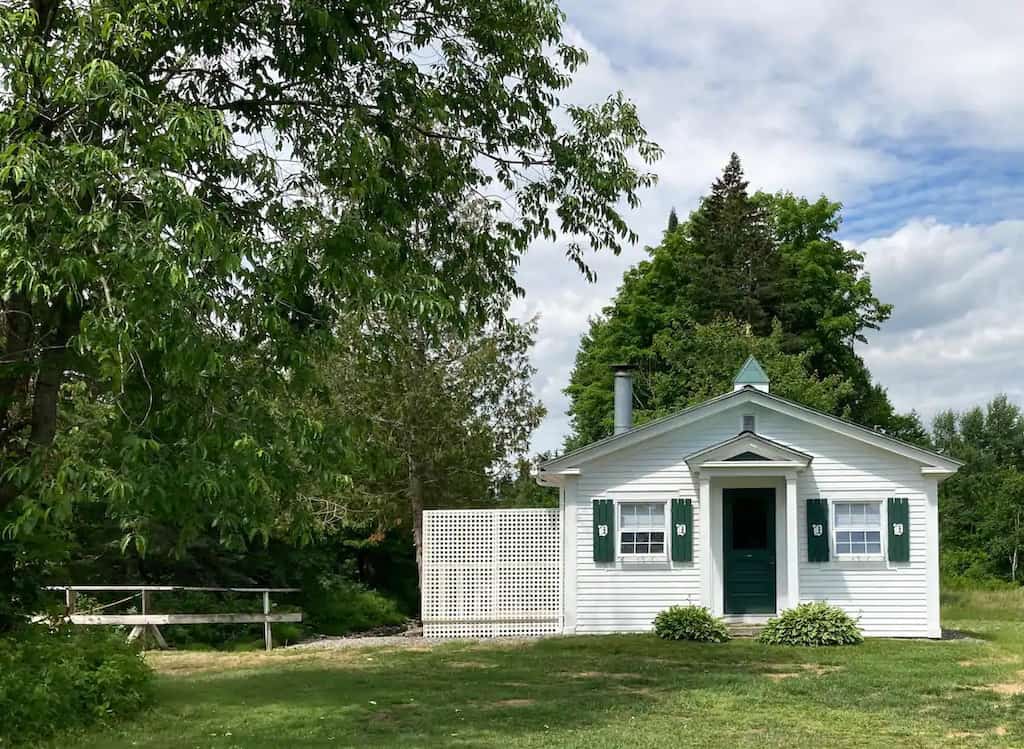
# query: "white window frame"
{"type": "Point", "coordinates": [882, 535]}
{"type": "Point", "coordinates": [661, 556]}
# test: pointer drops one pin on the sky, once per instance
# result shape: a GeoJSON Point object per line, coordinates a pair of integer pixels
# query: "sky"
{"type": "Point", "coordinates": [911, 114]}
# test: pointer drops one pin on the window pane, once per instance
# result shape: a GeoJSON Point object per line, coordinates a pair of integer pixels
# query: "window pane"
{"type": "Point", "coordinates": [874, 537]}
{"type": "Point", "coordinates": [842, 548]}
{"type": "Point", "coordinates": [874, 548]}
{"type": "Point", "coordinates": [643, 528]}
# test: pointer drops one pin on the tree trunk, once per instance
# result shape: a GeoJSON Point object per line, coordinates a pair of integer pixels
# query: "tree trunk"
{"type": "Point", "coordinates": [416, 505]}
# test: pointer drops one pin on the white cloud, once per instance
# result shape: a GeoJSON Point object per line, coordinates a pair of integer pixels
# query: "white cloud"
{"type": "Point", "coordinates": [875, 104]}
{"type": "Point", "coordinates": [956, 337]}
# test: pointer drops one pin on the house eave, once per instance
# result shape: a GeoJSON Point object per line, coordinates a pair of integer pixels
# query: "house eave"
{"type": "Point", "coordinates": [749, 394]}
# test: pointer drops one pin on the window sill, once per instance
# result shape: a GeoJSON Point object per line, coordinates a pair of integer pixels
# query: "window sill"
{"type": "Point", "coordinates": [860, 557]}
{"type": "Point", "coordinates": [643, 559]}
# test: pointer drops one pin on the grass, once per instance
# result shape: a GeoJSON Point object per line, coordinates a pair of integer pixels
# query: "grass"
{"type": "Point", "coordinates": [622, 690]}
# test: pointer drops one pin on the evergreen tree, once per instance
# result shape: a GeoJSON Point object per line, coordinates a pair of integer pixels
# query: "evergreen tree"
{"type": "Point", "coordinates": [732, 264]}
{"type": "Point", "coordinates": [748, 259]}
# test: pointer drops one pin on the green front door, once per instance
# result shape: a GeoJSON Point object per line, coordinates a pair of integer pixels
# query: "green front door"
{"type": "Point", "coordinates": [749, 550]}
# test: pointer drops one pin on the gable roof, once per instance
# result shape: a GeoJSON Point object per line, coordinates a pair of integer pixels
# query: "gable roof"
{"type": "Point", "coordinates": [751, 373]}
{"type": "Point", "coordinates": [747, 394]}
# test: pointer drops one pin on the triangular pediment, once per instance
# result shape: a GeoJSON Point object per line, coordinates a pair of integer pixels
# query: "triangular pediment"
{"type": "Point", "coordinates": [746, 449]}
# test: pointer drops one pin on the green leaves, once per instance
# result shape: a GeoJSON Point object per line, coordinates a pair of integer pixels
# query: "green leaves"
{"type": "Point", "coordinates": [811, 625]}
{"type": "Point", "coordinates": [694, 623]}
{"type": "Point", "coordinates": [197, 198]}
{"type": "Point", "coordinates": [745, 274]}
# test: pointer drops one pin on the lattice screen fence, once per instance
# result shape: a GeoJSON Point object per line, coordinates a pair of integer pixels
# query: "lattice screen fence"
{"type": "Point", "coordinates": [491, 573]}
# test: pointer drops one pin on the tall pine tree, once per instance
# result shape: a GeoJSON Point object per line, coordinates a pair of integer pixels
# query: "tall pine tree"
{"type": "Point", "coordinates": [765, 266]}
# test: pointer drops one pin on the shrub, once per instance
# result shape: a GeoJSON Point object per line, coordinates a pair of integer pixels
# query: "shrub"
{"type": "Point", "coordinates": [221, 636]}
{"type": "Point", "coordinates": [690, 623]}
{"type": "Point", "coordinates": [812, 624]}
{"type": "Point", "coordinates": [339, 606]}
{"type": "Point", "coordinates": [67, 678]}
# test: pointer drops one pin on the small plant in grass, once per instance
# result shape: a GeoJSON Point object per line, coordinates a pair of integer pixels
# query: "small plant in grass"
{"type": "Point", "coordinates": [812, 624]}
{"type": "Point", "coordinates": [690, 623]}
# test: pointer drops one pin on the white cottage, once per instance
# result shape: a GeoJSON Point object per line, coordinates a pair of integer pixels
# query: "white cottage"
{"type": "Point", "coordinates": [747, 504]}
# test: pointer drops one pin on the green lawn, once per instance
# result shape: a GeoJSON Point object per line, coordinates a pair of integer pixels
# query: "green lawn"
{"type": "Point", "coordinates": [603, 692]}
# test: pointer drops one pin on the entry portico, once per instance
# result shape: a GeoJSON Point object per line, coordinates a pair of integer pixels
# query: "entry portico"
{"type": "Point", "coordinates": [742, 467]}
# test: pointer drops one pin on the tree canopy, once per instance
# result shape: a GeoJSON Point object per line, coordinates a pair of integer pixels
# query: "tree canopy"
{"type": "Point", "coordinates": [766, 268]}
{"type": "Point", "coordinates": [194, 194]}
{"type": "Point", "coordinates": [983, 504]}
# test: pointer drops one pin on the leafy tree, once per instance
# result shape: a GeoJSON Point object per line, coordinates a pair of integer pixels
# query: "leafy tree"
{"type": "Point", "coordinates": [438, 418]}
{"type": "Point", "coordinates": [754, 259]}
{"type": "Point", "coordinates": [519, 487]}
{"type": "Point", "coordinates": [982, 506]}
{"type": "Point", "coordinates": [193, 193]}
{"type": "Point", "coordinates": [699, 361]}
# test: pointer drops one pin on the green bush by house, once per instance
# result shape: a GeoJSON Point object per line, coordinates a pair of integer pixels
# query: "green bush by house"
{"type": "Point", "coordinates": [690, 623]}
{"type": "Point", "coordinates": [812, 624]}
{"type": "Point", "coordinates": [337, 605]}
{"type": "Point", "coordinates": [66, 679]}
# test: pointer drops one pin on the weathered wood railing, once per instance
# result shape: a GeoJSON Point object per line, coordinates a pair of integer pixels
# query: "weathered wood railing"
{"type": "Point", "coordinates": [148, 622]}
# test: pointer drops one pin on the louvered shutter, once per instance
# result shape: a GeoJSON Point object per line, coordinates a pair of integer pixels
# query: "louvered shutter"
{"type": "Point", "coordinates": [899, 529]}
{"type": "Point", "coordinates": [817, 530]}
{"type": "Point", "coordinates": [604, 530]}
{"type": "Point", "coordinates": [682, 530]}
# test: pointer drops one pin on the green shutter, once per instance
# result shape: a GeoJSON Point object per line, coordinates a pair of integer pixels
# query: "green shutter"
{"type": "Point", "coordinates": [817, 530]}
{"type": "Point", "coordinates": [681, 530]}
{"type": "Point", "coordinates": [604, 516]}
{"type": "Point", "coordinates": [899, 529]}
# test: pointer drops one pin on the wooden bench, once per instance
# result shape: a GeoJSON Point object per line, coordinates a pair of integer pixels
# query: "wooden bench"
{"type": "Point", "coordinates": [147, 622]}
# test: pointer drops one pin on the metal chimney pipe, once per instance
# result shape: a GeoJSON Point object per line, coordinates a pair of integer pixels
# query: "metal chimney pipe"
{"type": "Point", "coordinates": [623, 397]}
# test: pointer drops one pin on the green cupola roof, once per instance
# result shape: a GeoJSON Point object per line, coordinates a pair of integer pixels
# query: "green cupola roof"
{"type": "Point", "coordinates": [751, 374]}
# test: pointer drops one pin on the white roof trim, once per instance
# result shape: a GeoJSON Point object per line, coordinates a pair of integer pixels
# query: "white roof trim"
{"type": "Point", "coordinates": [771, 451]}
{"type": "Point", "coordinates": [781, 465]}
{"type": "Point", "coordinates": [771, 401]}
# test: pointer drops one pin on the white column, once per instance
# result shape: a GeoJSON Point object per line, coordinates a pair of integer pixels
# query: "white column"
{"type": "Point", "coordinates": [569, 506]}
{"type": "Point", "coordinates": [932, 557]}
{"type": "Point", "coordinates": [706, 575]}
{"type": "Point", "coordinates": [792, 542]}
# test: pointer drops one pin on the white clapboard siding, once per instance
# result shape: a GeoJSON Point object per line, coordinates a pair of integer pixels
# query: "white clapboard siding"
{"type": "Point", "coordinates": [888, 599]}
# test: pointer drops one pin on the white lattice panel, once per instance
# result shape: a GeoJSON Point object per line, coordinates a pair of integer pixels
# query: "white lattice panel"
{"type": "Point", "coordinates": [491, 573]}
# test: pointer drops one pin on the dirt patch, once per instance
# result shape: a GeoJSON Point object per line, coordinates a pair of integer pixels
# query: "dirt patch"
{"type": "Point", "coordinates": [816, 669]}
{"type": "Point", "coordinates": [967, 664]}
{"type": "Point", "coordinates": [820, 669]}
{"type": "Point", "coordinates": [514, 703]}
{"type": "Point", "coordinates": [1007, 689]}
{"type": "Point", "coordinates": [470, 664]}
{"type": "Point", "coordinates": [997, 731]}
{"type": "Point", "coordinates": [782, 675]}
{"type": "Point", "coordinates": [188, 663]}
{"type": "Point", "coordinates": [600, 675]}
